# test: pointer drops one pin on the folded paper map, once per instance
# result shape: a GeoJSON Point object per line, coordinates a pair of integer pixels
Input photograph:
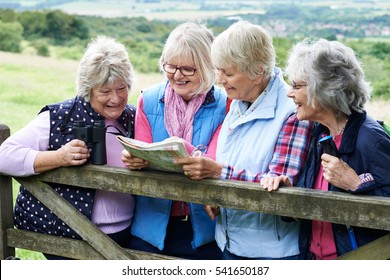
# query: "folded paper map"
{"type": "Point", "coordinates": [159, 154]}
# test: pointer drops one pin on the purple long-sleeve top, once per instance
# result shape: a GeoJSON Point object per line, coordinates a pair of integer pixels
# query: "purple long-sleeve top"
{"type": "Point", "coordinates": [112, 212]}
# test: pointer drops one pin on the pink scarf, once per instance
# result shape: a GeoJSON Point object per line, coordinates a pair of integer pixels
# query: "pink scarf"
{"type": "Point", "coordinates": [179, 115]}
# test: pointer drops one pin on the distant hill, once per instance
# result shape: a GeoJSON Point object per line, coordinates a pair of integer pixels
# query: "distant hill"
{"type": "Point", "coordinates": [188, 10]}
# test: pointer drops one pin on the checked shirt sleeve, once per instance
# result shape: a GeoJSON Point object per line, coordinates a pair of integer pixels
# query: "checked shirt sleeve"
{"type": "Point", "coordinates": [289, 155]}
{"type": "Point", "coordinates": [291, 149]}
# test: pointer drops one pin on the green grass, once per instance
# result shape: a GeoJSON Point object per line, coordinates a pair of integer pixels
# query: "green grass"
{"type": "Point", "coordinates": [28, 82]}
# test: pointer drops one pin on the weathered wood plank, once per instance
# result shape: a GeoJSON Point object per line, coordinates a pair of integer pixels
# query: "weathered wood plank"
{"type": "Point", "coordinates": [6, 204]}
{"type": "Point", "coordinates": [72, 217]}
{"type": "Point", "coordinates": [376, 250]}
{"type": "Point", "coordinates": [66, 247]}
{"type": "Point", "coordinates": [344, 208]}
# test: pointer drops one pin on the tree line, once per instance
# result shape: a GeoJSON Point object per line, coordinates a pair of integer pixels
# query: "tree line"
{"type": "Point", "coordinates": [50, 29]}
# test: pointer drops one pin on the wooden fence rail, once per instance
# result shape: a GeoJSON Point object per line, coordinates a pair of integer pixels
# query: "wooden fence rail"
{"type": "Point", "coordinates": [344, 208]}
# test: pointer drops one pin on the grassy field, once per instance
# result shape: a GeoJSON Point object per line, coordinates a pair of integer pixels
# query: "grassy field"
{"type": "Point", "coordinates": [27, 83]}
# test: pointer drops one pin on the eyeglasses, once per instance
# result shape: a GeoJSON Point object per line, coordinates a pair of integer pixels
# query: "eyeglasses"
{"type": "Point", "coordinates": [184, 70]}
{"type": "Point", "coordinates": [297, 86]}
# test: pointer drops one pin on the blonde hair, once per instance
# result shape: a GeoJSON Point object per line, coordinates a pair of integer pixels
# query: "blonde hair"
{"type": "Point", "coordinates": [248, 47]}
{"type": "Point", "coordinates": [192, 41]}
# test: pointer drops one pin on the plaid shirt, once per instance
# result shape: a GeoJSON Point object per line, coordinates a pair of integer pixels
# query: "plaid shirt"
{"type": "Point", "coordinates": [289, 155]}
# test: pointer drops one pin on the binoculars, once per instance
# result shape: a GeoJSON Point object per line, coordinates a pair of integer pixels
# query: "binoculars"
{"type": "Point", "coordinates": [95, 138]}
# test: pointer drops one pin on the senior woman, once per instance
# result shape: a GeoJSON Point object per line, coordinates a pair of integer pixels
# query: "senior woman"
{"type": "Point", "coordinates": [188, 106]}
{"type": "Point", "coordinates": [104, 78]}
{"type": "Point", "coordinates": [329, 88]}
{"type": "Point", "coordinates": [259, 139]}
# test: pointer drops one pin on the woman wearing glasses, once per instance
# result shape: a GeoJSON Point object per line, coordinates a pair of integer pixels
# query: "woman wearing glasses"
{"type": "Point", "coordinates": [331, 90]}
{"type": "Point", "coordinates": [189, 106]}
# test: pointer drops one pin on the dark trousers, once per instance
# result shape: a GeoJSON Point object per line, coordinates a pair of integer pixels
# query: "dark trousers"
{"type": "Point", "coordinates": [178, 243]}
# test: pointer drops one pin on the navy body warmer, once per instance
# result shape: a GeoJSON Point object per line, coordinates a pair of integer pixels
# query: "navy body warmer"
{"type": "Point", "coordinates": [30, 214]}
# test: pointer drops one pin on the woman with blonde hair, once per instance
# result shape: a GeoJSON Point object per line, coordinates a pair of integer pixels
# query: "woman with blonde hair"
{"type": "Point", "coordinates": [188, 106]}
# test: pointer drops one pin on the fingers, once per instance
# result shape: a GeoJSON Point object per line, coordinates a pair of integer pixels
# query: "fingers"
{"type": "Point", "coordinates": [136, 164]}
{"type": "Point", "coordinates": [191, 167]}
{"type": "Point", "coordinates": [332, 164]}
{"type": "Point", "coordinates": [328, 158]}
{"type": "Point", "coordinates": [286, 181]}
{"type": "Point", "coordinates": [125, 154]}
{"type": "Point", "coordinates": [78, 156]}
{"type": "Point", "coordinates": [193, 174]}
{"type": "Point", "coordinates": [196, 174]}
{"type": "Point", "coordinates": [188, 160]}
{"type": "Point", "coordinates": [74, 152]}
{"type": "Point", "coordinates": [330, 161]}
{"type": "Point", "coordinates": [212, 211]}
{"type": "Point", "coordinates": [198, 168]}
{"type": "Point", "coordinates": [273, 183]}
{"type": "Point", "coordinates": [270, 183]}
{"type": "Point", "coordinates": [75, 143]}
{"type": "Point", "coordinates": [133, 162]}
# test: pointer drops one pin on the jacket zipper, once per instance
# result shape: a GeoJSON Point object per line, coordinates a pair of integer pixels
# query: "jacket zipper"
{"type": "Point", "coordinates": [226, 231]}
{"type": "Point", "coordinates": [277, 228]}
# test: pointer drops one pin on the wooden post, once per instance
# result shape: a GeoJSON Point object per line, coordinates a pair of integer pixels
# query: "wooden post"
{"type": "Point", "coordinates": [6, 204]}
{"type": "Point", "coordinates": [72, 217]}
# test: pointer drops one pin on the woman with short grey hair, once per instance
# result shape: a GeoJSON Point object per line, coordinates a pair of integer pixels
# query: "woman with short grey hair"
{"type": "Point", "coordinates": [59, 136]}
{"type": "Point", "coordinates": [104, 62]}
{"type": "Point", "coordinates": [335, 78]}
{"type": "Point", "coordinates": [349, 151]}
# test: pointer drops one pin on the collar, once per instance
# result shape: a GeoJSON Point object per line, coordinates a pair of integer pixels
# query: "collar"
{"type": "Point", "coordinates": [210, 99]}
{"type": "Point", "coordinates": [264, 106]}
{"type": "Point", "coordinates": [348, 142]}
{"type": "Point", "coordinates": [84, 108]}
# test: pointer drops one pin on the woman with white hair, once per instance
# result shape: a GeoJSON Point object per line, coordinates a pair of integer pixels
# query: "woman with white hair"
{"type": "Point", "coordinates": [329, 88]}
{"type": "Point", "coordinates": [260, 139]}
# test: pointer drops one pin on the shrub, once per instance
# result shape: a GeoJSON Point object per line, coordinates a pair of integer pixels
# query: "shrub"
{"type": "Point", "coordinates": [11, 36]}
{"type": "Point", "coordinates": [41, 47]}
